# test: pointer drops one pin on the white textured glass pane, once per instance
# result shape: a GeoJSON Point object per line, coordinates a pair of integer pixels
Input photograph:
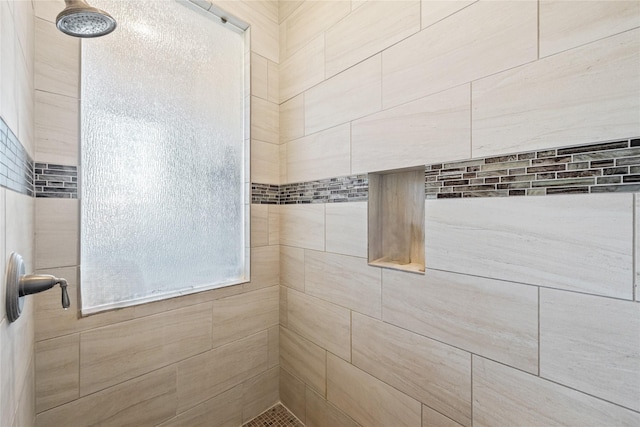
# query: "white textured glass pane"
{"type": "Point", "coordinates": [162, 155]}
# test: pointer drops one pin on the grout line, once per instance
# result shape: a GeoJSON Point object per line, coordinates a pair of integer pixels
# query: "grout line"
{"type": "Point", "coordinates": [351, 336]}
{"type": "Point", "coordinates": [539, 291]}
{"type": "Point", "coordinates": [471, 363]}
{"type": "Point", "coordinates": [471, 119]}
{"type": "Point", "coordinates": [634, 247]}
{"type": "Point", "coordinates": [538, 30]}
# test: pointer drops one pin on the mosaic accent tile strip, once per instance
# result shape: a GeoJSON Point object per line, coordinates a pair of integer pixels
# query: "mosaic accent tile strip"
{"type": "Point", "coordinates": [278, 416]}
{"type": "Point", "coordinates": [56, 181]}
{"type": "Point", "coordinates": [16, 166]}
{"type": "Point", "coordinates": [265, 194]}
{"type": "Point", "coordinates": [352, 188]}
{"type": "Point", "coordinates": [592, 168]}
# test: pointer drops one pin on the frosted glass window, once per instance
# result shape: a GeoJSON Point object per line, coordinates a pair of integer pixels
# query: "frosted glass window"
{"type": "Point", "coordinates": [163, 177]}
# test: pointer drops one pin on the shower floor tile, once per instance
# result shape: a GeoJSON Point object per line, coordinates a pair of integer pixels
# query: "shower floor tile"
{"type": "Point", "coordinates": [278, 416]}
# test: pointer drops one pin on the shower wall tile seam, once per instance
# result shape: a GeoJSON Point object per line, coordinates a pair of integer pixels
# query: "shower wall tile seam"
{"type": "Point", "coordinates": [601, 167]}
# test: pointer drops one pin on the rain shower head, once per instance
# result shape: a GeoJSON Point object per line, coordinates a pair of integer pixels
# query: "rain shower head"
{"type": "Point", "coordinates": [78, 19]}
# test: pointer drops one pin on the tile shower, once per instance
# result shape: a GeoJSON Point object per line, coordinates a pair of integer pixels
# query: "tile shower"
{"type": "Point", "coordinates": [528, 308]}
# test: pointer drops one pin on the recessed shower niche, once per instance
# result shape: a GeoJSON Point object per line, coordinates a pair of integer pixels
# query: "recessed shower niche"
{"type": "Point", "coordinates": [396, 219]}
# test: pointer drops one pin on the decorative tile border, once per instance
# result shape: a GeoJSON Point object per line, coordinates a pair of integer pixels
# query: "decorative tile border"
{"type": "Point", "coordinates": [352, 188]}
{"type": "Point", "coordinates": [16, 166]}
{"type": "Point", "coordinates": [265, 194]}
{"type": "Point", "coordinates": [592, 168]}
{"type": "Point", "coordinates": [589, 168]}
{"type": "Point", "coordinates": [56, 181]}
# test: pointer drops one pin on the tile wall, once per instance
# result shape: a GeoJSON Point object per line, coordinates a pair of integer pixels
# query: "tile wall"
{"type": "Point", "coordinates": [16, 206]}
{"type": "Point", "coordinates": [204, 359]}
{"type": "Point", "coordinates": [528, 312]}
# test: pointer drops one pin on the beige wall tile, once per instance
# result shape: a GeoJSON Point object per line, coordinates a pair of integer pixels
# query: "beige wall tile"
{"type": "Point", "coordinates": [22, 349]}
{"type": "Point", "coordinates": [308, 21]}
{"type": "Point", "coordinates": [273, 82]}
{"type": "Point", "coordinates": [286, 7]}
{"type": "Point", "coordinates": [431, 418]}
{"type": "Point", "coordinates": [260, 393]}
{"type": "Point", "coordinates": [292, 394]}
{"type": "Point", "coordinates": [505, 396]}
{"type": "Point", "coordinates": [539, 104]}
{"type": "Point", "coordinates": [283, 163]}
{"type": "Point", "coordinates": [636, 215]}
{"type": "Point", "coordinates": [265, 167]}
{"type": "Point", "coordinates": [264, 120]}
{"type": "Point", "coordinates": [487, 317]}
{"type": "Point", "coordinates": [538, 240]}
{"type": "Point", "coordinates": [3, 255]}
{"type": "Point", "coordinates": [427, 370]}
{"type": "Point", "coordinates": [259, 225]}
{"type": "Point", "coordinates": [57, 60]}
{"type": "Point", "coordinates": [161, 306]}
{"type": "Point", "coordinates": [48, 9]}
{"type": "Point", "coordinates": [116, 353]}
{"type": "Point", "coordinates": [56, 125]}
{"type": "Point", "coordinates": [302, 70]}
{"type": "Point", "coordinates": [568, 24]}
{"type": "Point", "coordinates": [264, 268]}
{"type": "Point", "coordinates": [26, 99]}
{"type": "Point", "coordinates": [321, 413]}
{"type": "Point", "coordinates": [292, 118]}
{"type": "Point", "coordinates": [25, 415]}
{"type": "Point", "coordinates": [16, 365]}
{"type": "Point", "coordinates": [261, 16]}
{"type": "Point", "coordinates": [9, 49]}
{"type": "Point", "coordinates": [224, 410]}
{"type": "Point", "coordinates": [274, 341]}
{"type": "Point", "coordinates": [591, 344]}
{"type": "Point", "coordinates": [144, 401]}
{"type": "Point", "coordinates": [57, 232]}
{"type": "Point", "coordinates": [259, 76]}
{"type": "Point", "coordinates": [436, 10]}
{"type": "Point", "coordinates": [274, 224]}
{"type": "Point", "coordinates": [303, 359]}
{"type": "Point", "coordinates": [368, 400]}
{"type": "Point", "coordinates": [442, 56]}
{"type": "Point", "coordinates": [283, 306]}
{"type": "Point", "coordinates": [352, 94]}
{"type": "Point", "coordinates": [57, 371]}
{"type": "Point", "coordinates": [322, 155]}
{"type": "Point", "coordinates": [323, 323]}
{"type": "Point", "coordinates": [302, 226]}
{"type": "Point", "coordinates": [210, 373]}
{"type": "Point", "coordinates": [8, 396]}
{"type": "Point", "coordinates": [19, 229]}
{"type": "Point", "coordinates": [344, 280]}
{"type": "Point", "coordinates": [245, 314]}
{"type": "Point", "coordinates": [368, 30]}
{"type": "Point", "coordinates": [429, 130]}
{"type": "Point", "coordinates": [52, 321]}
{"type": "Point", "coordinates": [347, 228]}
{"type": "Point", "coordinates": [267, 9]}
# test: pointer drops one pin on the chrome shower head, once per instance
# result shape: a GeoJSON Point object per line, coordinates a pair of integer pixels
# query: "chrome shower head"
{"type": "Point", "coordinates": [78, 19]}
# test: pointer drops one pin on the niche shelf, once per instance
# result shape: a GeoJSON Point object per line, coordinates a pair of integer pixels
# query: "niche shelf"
{"type": "Point", "coordinates": [396, 219]}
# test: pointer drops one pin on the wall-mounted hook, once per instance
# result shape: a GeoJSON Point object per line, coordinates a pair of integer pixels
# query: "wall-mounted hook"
{"type": "Point", "coordinates": [19, 285]}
